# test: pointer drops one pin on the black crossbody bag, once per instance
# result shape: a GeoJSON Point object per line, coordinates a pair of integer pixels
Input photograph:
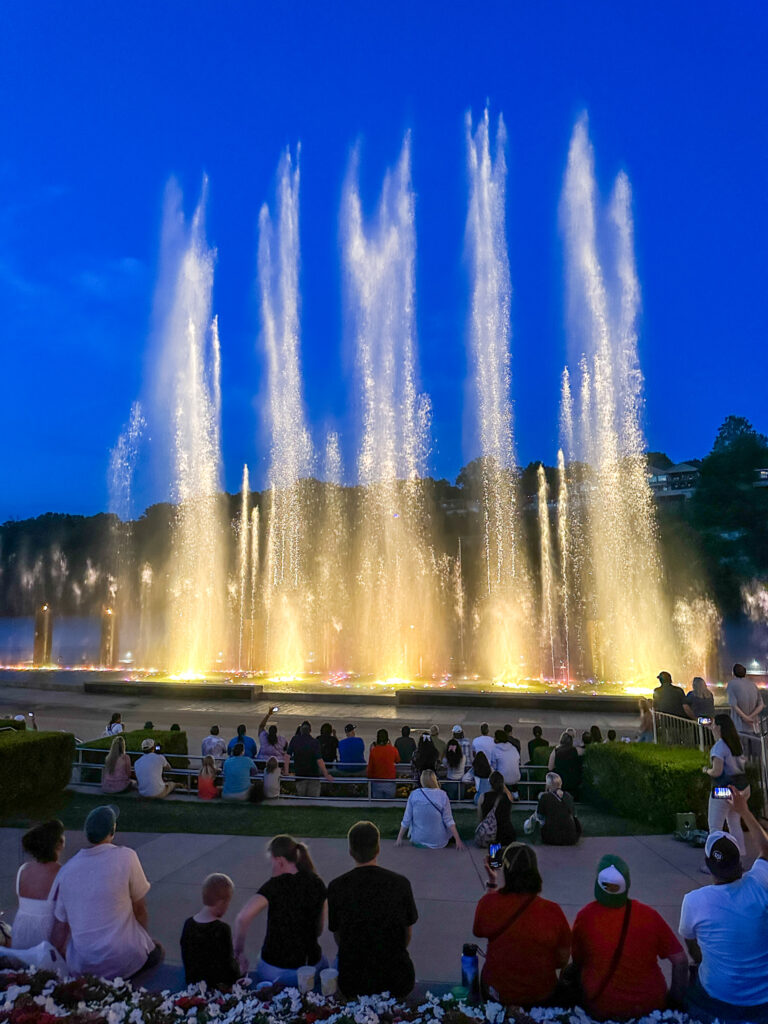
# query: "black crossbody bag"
{"type": "Point", "coordinates": [569, 987]}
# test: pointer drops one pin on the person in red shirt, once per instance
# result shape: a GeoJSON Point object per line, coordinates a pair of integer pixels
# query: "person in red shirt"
{"type": "Point", "coordinates": [528, 937]}
{"type": "Point", "coordinates": [617, 945]}
{"type": "Point", "coordinates": [381, 765]}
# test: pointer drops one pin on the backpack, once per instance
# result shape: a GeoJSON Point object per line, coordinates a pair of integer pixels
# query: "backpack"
{"type": "Point", "coordinates": [485, 833]}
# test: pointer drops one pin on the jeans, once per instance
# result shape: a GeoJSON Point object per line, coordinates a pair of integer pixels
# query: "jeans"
{"type": "Point", "coordinates": [705, 1008]}
{"type": "Point", "coordinates": [285, 975]}
{"type": "Point", "coordinates": [382, 790]}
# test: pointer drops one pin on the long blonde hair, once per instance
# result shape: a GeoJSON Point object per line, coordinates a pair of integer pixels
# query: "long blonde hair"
{"type": "Point", "coordinates": [208, 767]}
{"type": "Point", "coordinates": [429, 779]}
{"type": "Point", "coordinates": [116, 751]}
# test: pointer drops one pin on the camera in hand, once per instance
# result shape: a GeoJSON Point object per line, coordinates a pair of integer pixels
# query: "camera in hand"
{"type": "Point", "coordinates": [705, 721]}
{"type": "Point", "coordinates": [494, 855]}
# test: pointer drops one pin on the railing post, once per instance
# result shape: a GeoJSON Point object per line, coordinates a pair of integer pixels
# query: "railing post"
{"type": "Point", "coordinates": [653, 720]}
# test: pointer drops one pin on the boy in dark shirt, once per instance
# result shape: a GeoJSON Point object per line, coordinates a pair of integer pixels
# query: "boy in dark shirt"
{"type": "Point", "coordinates": [206, 942]}
{"type": "Point", "coordinates": [371, 912]}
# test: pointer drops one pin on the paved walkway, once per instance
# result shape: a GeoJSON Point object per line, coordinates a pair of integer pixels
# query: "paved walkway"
{"type": "Point", "coordinates": [446, 883]}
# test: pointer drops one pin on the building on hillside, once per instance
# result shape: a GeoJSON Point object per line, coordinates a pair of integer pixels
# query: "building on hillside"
{"type": "Point", "coordinates": [676, 482]}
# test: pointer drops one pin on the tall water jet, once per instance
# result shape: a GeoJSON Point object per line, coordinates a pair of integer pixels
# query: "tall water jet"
{"type": "Point", "coordinates": [506, 612]}
{"type": "Point", "coordinates": [623, 598]}
{"type": "Point", "coordinates": [291, 449]}
{"type": "Point", "coordinates": [189, 390]}
{"type": "Point", "coordinates": [122, 467]}
{"type": "Point", "coordinates": [564, 550]}
{"type": "Point", "coordinates": [331, 563]}
{"type": "Point", "coordinates": [253, 648]}
{"type": "Point", "coordinates": [398, 617]}
{"type": "Point", "coordinates": [243, 550]}
{"type": "Point", "coordinates": [547, 581]}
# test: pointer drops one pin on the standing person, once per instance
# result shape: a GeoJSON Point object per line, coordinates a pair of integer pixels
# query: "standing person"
{"type": "Point", "coordinates": [371, 912]}
{"type": "Point", "coordinates": [237, 774]}
{"type": "Point", "coordinates": [745, 701]}
{"type": "Point", "coordinates": [213, 744]}
{"type": "Point", "coordinates": [565, 761]}
{"type": "Point", "coordinates": [513, 740]}
{"type": "Point", "coordinates": [617, 943]}
{"type": "Point", "coordinates": [699, 703]}
{"type": "Point", "coordinates": [351, 750]}
{"type": "Point", "coordinates": [439, 745]}
{"type": "Point", "coordinates": [484, 741]}
{"type": "Point", "coordinates": [556, 815]}
{"type": "Point", "coordinates": [308, 765]}
{"type": "Point", "coordinates": [382, 761]}
{"type": "Point", "coordinates": [645, 728]}
{"type": "Point", "coordinates": [100, 903]}
{"type": "Point", "coordinates": [537, 741]}
{"type": "Point", "coordinates": [329, 744]}
{"type": "Point", "coordinates": [727, 768]}
{"type": "Point", "coordinates": [206, 941]}
{"type": "Point", "coordinates": [114, 726]}
{"type": "Point", "coordinates": [725, 927]}
{"type": "Point", "coordinates": [428, 818]}
{"type": "Point", "coordinates": [669, 699]}
{"type": "Point", "coordinates": [294, 898]}
{"type": "Point", "coordinates": [505, 758]}
{"type": "Point", "coordinates": [248, 742]}
{"type": "Point", "coordinates": [149, 772]}
{"type": "Point", "coordinates": [499, 800]}
{"type": "Point", "coordinates": [116, 774]}
{"type": "Point", "coordinates": [34, 920]}
{"type": "Point", "coordinates": [405, 745]}
{"type": "Point", "coordinates": [529, 940]}
{"type": "Point", "coordinates": [457, 733]}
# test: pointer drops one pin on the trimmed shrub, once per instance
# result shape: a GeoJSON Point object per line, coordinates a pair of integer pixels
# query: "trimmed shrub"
{"type": "Point", "coordinates": [35, 767]}
{"type": "Point", "coordinates": [11, 723]}
{"type": "Point", "coordinates": [649, 782]}
{"type": "Point", "coordinates": [174, 745]}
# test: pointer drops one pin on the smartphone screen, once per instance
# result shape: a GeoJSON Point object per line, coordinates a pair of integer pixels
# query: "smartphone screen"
{"type": "Point", "coordinates": [705, 721]}
{"type": "Point", "coordinates": [275, 708]}
{"type": "Point", "coordinates": [157, 750]}
{"type": "Point", "coordinates": [494, 855]}
{"type": "Point", "coordinates": [721, 793]}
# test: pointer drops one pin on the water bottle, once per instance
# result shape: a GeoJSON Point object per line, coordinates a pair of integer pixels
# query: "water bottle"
{"type": "Point", "coordinates": [470, 972]}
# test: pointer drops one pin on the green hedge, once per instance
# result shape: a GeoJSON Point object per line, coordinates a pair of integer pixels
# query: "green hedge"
{"type": "Point", "coordinates": [174, 745]}
{"type": "Point", "coordinates": [35, 767]}
{"type": "Point", "coordinates": [11, 723]}
{"type": "Point", "coordinates": [649, 782]}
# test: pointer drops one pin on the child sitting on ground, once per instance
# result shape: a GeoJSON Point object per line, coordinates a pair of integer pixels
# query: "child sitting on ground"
{"type": "Point", "coordinates": [206, 942]}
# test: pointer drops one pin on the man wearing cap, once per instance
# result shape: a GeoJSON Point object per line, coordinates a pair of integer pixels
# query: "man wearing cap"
{"type": "Point", "coordinates": [149, 770]}
{"type": "Point", "coordinates": [725, 926]}
{"type": "Point", "coordinates": [667, 698]}
{"type": "Point", "coordinates": [99, 902]}
{"type": "Point", "coordinates": [617, 943]}
{"type": "Point", "coordinates": [351, 750]}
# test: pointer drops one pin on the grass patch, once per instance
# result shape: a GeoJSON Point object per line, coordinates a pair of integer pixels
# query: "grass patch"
{"type": "Point", "coordinates": [259, 820]}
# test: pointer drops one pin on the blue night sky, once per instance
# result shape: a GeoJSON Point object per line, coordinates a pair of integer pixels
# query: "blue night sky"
{"type": "Point", "coordinates": [100, 103]}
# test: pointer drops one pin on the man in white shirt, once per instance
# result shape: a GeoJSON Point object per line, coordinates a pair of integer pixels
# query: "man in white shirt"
{"type": "Point", "coordinates": [99, 905]}
{"type": "Point", "coordinates": [149, 771]}
{"type": "Point", "coordinates": [483, 742]}
{"type": "Point", "coordinates": [214, 745]}
{"type": "Point", "coordinates": [505, 758]}
{"type": "Point", "coordinates": [725, 927]}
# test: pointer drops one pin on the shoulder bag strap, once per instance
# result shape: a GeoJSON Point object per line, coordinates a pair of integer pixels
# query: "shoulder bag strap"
{"type": "Point", "coordinates": [518, 913]}
{"type": "Point", "coordinates": [616, 956]}
{"type": "Point", "coordinates": [430, 801]}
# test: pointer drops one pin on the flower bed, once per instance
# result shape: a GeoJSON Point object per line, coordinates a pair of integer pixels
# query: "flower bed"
{"type": "Point", "coordinates": [39, 997]}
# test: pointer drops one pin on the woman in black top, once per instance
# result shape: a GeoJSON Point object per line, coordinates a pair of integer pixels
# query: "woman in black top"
{"type": "Point", "coordinates": [329, 744]}
{"type": "Point", "coordinates": [555, 813]}
{"type": "Point", "coordinates": [498, 796]}
{"type": "Point", "coordinates": [425, 759]}
{"type": "Point", "coordinates": [565, 760]}
{"type": "Point", "coordinates": [294, 898]}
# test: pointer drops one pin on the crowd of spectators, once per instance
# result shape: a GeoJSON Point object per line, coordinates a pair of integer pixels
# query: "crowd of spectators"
{"type": "Point", "coordinates": [93, 910]}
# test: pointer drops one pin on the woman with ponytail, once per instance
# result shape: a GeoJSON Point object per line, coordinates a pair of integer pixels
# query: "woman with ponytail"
{"type": "Point", "coordinates": [294, 898]}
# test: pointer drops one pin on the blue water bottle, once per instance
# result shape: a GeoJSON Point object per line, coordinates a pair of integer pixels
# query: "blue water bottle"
{"type": "Point", "coordinates": [470, 972]}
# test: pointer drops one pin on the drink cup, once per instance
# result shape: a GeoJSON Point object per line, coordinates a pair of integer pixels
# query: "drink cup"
{"type": "Point", "coordinates": [306, 978]}
{"type": "Point", "coordinates": [329, 981]}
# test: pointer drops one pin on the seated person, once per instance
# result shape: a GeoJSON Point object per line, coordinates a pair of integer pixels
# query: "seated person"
{"type": "Point", "coordinates": [537, 741]}
{"type": "Point", "coordinates": [271, 779]}
{"type": "Point", "coordinates": [351, 750]}
{"type": "Point", "coordinates": [329, 744]}
{"type": "Point", "coordinates": [237, 775]}
{"type": "Point", "coordinates": [481, 770]}
{"type": "Point", "coordinates": [498, 799]}
{"type": "Point", "coordinates": [725, 926]}
{"type": "Point", "coordinates": [34, 919]}
{"type": "Point", "coordinates": [114, 726]}
{"type": "Point", "coordinates": [428, 818]}
{"type": "Point", "coordinates": [566, 762]}
{"type": "Point", "coordinates": [206, 942]}
{"type": "Point", "coordinates": [248, 743]}
{"type": "Point", "coordinates": [116, 774]}
{"type": "Point", "coordinates": [617, 944]}
{"type": "Point", "coordinates": [555, 813]}
{"type": "Point", "coordinates": [382, 764]}
{"type": "Point", "coordinates": [529, 940]}
{"type": "Point", "coordinates": [610, 736]}
{"type": "Point", "coordinates": [206, 780]}
{"type": "Point", "coordinates": [214, 744]}
{"type": "Point", "coordinates": [149, 771]}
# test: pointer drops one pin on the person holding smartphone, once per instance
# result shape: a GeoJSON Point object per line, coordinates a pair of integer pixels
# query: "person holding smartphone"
{"type": "Point", "coordinates": [727, 768]}
{"type": "Point", "coordinates": [529, 939]}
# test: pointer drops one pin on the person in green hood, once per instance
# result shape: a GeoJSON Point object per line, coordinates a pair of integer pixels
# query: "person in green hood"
{"type": "Point", "coordinates": [617, 945]}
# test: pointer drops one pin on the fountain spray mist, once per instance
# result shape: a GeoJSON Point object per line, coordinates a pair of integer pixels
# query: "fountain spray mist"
{"type": "Point", "coordinates": [506, 613]}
